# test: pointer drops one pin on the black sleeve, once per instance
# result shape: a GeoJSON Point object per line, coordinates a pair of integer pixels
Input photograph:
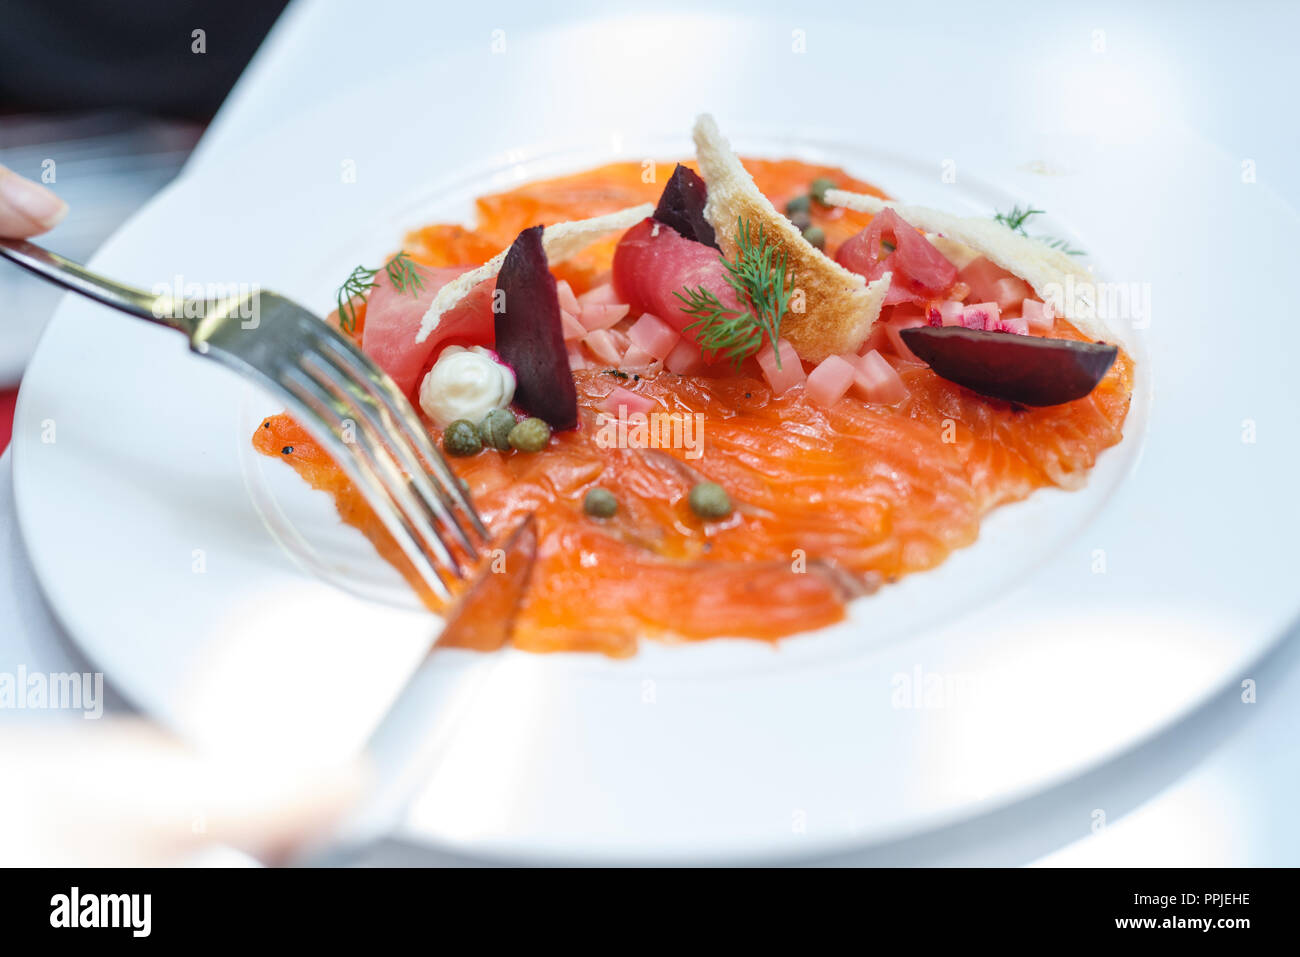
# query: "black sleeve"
{"type": "Point", "coordinates": [131, 55]}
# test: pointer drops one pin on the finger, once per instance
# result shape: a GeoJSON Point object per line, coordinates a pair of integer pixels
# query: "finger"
{"type": "Point", "coordinates": [27, 208]}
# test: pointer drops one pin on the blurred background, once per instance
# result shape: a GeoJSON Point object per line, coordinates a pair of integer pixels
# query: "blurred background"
{"type": "Point", "coordinates": [103, 103]}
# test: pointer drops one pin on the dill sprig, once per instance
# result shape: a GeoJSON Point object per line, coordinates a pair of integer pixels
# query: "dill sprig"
{"type": "Point", "coordinates": [1016, 219]}
{"type": "Point", "coordinates": [401, 273]}
{"type": "Point", "coordinates": [760, 278]}
{"type": "Point", "coordinates": [354, 289]}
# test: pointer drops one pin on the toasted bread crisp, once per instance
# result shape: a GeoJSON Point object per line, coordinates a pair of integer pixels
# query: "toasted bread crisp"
{"type": "Point", "coordinates": [560, 241]}
{"type": "Point", "coordinates": [1044, 268]}
{"type": "Point", "coordinates": [839, 306]}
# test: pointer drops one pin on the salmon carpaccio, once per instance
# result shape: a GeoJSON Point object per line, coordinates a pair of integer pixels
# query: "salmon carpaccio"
{"type": "Point", "coordinates": [830, 502]}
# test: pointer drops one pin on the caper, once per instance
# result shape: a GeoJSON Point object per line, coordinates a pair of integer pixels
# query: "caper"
{"type": "Point", "coordinates": [815, 235]}
{"type": "Point", "coordinates": [530, 435]}
{"type": "Point", "coordinates": [710, 500]}
{"type": "Point", "coordinates": [495, 429]}
{"type": "Point", "coordinates": [800, 204]}
{"type": "Point", "coordinates": [819, 187]}
{"type": "Point", "coordinates": [801, 220]}
{"type": "Point", "coordinates": [600, 503]}
{"type": "Point", "coordinates": [462, 438]}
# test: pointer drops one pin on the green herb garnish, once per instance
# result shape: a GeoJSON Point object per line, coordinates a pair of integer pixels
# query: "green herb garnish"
{"type": "Point", "coordinates": [1016, 219]}
{"type": "Point", "coordinates": [401, 273]}
{"type": "Point", "coordinates": [615, 372]}
{"type": "Point", "coordinates": [759, 277]}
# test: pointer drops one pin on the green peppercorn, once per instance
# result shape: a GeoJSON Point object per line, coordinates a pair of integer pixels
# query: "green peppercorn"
{"type": "Point", "coordinates": [495, 428]}
{"type": "Point", "coordinates": [462, 438]}
{"type": "Point", "coordinates": [530, 435]}
{"type": "Point", "coordinates": [819, 187]}
{"type": "Point", "coordinates": [815, 235]}
{"type": "Point", "coordinates": [801, 221]}
{"type": "Point", "coordinates": [800, 204]}
{"type": "Point", "coordinates": [600, 503]}
{"type": "Point", "coordinates": [710, 500]}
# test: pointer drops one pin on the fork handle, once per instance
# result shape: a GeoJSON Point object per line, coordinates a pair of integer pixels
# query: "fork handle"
{"type": "Point", "coordinates": [70, 275]}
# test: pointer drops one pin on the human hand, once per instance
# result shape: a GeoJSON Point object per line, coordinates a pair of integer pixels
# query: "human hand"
{"type": "Point", "coordinates": [27, 208]}
{"type": "Point", "coordinates": [121, 792]}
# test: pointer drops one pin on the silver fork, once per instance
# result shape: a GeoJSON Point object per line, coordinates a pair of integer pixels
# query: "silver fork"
{"type": "Point", "coordinates": [333, 389]}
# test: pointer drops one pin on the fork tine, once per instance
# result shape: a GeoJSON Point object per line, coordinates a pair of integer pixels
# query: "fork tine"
{"type": "Point", "coordinates": [318, 407]}
{"type": "Point", "coordinates": [400, 472]}
{"type": "Point", "coordinates": [368, 441]}
{"type": "Point", "coordinates": [363, 370]}
{"type": "Point", "coordinates": [365, 396]}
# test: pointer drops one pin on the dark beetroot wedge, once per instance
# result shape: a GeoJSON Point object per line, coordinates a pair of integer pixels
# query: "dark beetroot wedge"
{"type": "Point", "coordinates": [1003, 365]}
{"type": "Point", "coordinates": [681, 206]}
{"type": "Point", "coordinates": [529, 335]}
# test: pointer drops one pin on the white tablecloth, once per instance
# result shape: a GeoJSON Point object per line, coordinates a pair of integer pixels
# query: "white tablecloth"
{"type": "Point", "coordinates": [1219, 788]}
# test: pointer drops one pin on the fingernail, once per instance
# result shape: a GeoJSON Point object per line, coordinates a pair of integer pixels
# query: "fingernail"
{"type": "Point", "coordinates": [32, 199]}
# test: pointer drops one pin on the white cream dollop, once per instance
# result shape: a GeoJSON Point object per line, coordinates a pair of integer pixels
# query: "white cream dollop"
{"type": "Point", "coordinates": [465, 384]}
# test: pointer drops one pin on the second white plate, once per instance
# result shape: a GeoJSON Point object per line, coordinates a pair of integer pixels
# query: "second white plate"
{"type": "Point", "coordinates": [1077, 625]}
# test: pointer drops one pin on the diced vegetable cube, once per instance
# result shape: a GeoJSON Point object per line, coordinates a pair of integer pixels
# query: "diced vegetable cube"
{"type": "Point", "coordinates": [653, 335]}
{"type": "Point", "coordinates": [832, 378]}
{"type": "Point", "coordinates": [1041, 316]}
{"type": "Point", "coordinates": [600, 316]}
{"type": "Point", "coordinates": [875, 380]}
{"type": "Point", "coordinates": [1009, 293]}
{"type": "Point", "coordinates": [789, 375]}
{"type": "Point", "coordinates": [627, 400]}
{"type": "Point", "coordinates": [573, 329]}
{"type": "Point", "coordinates": [604, 347]}
{"type": "Point", "coordinates": [982, 315]}
{"type": "Point", "coordinates": [568, 301]}
{"type": "Point", "coordinates": [685, 359]}
{"type": "Point", "coordinates": [602, 295]}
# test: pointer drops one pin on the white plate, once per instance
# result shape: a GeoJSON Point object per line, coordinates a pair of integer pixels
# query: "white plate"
{"type": "Point", "coordinates": [1078, 624]}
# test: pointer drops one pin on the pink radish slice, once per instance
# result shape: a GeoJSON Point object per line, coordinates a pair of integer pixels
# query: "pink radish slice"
{"type": "Point", "coordinates": [982, 315]}
{"type": "Point", "coordinates": [595, 316]}
{"type": "Point", "coordinates": [875, 380]}
{"type": "Point", "coordinates": [685, 359]}
{"type": "Point", "coordinates": [568, 301]}
{"type": "Point", "coordinates": [636, 358]}
{"type": "Point", "coordinates": [573, 329]}
{"type": "Point", "coordinates": [654, 336]}
{"type": "Point", "coordinates": [628, 400]}
{"type": "Point", "coordinates": [653, 263]}
{"type": "Point", "coordinates": [576, 360]}
{"type": "Point", "coordinates": [1009, 293]}
{"type": "Point", "coordinates": [828, 383]}
{"type": "Point", "coordinates": [602, 295]}
{"type": "Point", "coordinates": [393, 316]}
{"type": "Point", "coordinates": [1040, 316]}
{"type": "Point", "coordinates": [1018, 326]}
{"type": "Point", "coordinates": [603, 347]}
{"type": "Point", "coordinates": [791, 372]}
